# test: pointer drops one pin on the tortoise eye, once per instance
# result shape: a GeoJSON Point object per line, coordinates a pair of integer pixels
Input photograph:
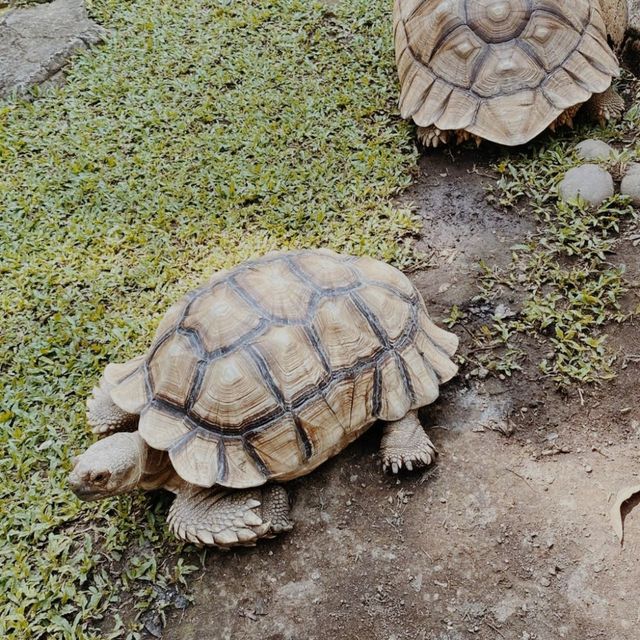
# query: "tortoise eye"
{"type": "Point", "coordinates": [100, 477]}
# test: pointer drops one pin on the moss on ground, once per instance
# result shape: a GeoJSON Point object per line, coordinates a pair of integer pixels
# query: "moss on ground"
{"type": "Point", "coordinates": [201, 133]}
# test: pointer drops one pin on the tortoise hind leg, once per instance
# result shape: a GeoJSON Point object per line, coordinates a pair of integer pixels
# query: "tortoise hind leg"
{"type": "Point", "coordinates": [405, 444]}
{"type": "Point", "coordinates": [605, 106]}
{"type": "Point", "coordinates": [105, 416]}
{"type": "Point", "coordinates": [228, 518]}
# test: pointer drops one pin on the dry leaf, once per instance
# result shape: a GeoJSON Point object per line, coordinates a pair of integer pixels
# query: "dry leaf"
{"type": "Point", "coordinates": [616, 514]}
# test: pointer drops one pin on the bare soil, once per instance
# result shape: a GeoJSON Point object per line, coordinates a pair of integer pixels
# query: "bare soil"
{"type": "Point", "coordinates": [508, 536]}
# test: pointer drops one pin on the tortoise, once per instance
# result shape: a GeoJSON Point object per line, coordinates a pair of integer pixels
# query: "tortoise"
{"type": "Point", "coordinates": [505, 70]}
{"type": "Point", "coordinates": [257, 378]}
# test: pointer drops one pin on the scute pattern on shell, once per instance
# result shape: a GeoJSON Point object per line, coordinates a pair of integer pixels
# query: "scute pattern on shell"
{"type": "Point", "coordinates": [503, 70]}
{"type": "Point", "coordinates": [269, 370]}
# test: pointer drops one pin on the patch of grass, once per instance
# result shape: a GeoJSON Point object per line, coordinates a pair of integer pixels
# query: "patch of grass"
{"type": "Point", "coordinates": [568, 287]}
{"type": "Point", "coordinates": [203, 132]}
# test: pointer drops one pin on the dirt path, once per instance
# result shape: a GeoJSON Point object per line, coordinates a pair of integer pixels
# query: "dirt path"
{"type": "Point", "coordinates": [508, 537]}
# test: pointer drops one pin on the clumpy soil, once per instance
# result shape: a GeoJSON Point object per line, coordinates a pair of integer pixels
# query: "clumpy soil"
{"type": "Point", "coordinates": [508, 536]}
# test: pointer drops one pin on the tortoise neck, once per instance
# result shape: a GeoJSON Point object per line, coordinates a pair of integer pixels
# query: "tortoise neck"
{"type": "Point", "coordinates": [155, 468]}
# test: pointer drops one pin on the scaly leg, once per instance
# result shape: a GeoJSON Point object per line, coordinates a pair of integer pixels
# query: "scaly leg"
{"type": "Point", "coordinates": [228, 518]}
{"type": "Point", "coordinates": [105, 416]}
{"type": "Point", "coordinates": [404, 443]}
{"type": "Point", "coordinates": [605, 106]}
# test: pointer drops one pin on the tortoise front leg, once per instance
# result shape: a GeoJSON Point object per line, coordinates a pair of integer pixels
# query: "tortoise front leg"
{"type": "Point", "coordinates": [405, 444]}
{"type": "Point", "coordinates": [105, 416]}
{"type": "Point", "coordinates": [226, 517]}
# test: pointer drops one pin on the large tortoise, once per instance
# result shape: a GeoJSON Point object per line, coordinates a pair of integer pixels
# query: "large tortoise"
{"type": "Point", "coordinates": [505, 70]}
{"type": "Point", "coordinates": [260, 376]}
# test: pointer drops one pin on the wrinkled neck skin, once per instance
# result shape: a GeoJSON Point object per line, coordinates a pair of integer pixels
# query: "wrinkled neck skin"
{"type": "Point", "coordinates": [157, 471]}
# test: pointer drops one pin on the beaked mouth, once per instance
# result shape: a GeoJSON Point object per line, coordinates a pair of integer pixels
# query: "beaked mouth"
{"type": "Point", "coordinates": [83, 493]}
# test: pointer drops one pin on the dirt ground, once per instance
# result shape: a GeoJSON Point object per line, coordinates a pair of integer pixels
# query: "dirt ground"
{"type": "Point", "coordinates": [508, 536]}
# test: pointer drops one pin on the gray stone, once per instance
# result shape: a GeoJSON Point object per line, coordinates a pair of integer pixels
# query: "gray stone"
{"type": "Point", "coordinates": [589, 181]}
{"type": "Point", "coordinates": [594, 150]}
{"type": "Point", "coordinates": [630, 185]}
{"type": "Point", "coordinates": [36, 42]}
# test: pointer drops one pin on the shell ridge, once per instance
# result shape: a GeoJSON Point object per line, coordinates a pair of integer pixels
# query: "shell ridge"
{"type": "Point", "coordinates": [377, 390]}
{"type": "Point", "coordinates": [256, 332]}
{"type": "Point", "coordinates": [247, 297]}
{"type": "Point", "coordinates": [181, 443]}
{"type": "Point", "coordinates": [438, 348]}
{"type": "Point", "coordinates": [529, 51]}
{"type": "Point", "coordinates": [371, 318]}
{"type": "Point", "coordinates": [593, 61]}
{"type": "Point", "coordinates": [250, 450]}
{"type": "Point", "coordinates": [255, 305]}
{"type": "Point", "coordinates": [578, 80]}
{"type": "Point", "coordinates": [263, 369]}
{"type": "Point", "coordinates": [223, 467]}
{"type": "Point", "coordinates": [300, 275]}
{"type": "Point", "coordinates": [315, 341]}
{"type": "Point", "coordinates": [443, 38]}
{"type": "Point", "coordinates": [406, 378]}
{"type": "Point", "coordinates": [307, 445]}
{"type": "Point", "coordinates": [391, 289]}
{"type": "Point", "coordinates": [196, 386]}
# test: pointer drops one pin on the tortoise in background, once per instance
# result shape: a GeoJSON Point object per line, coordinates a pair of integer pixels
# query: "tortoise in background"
{"type": "Point", "coordinates": [260, 376]}
{"type": "Point", "coordinates": [505, 70]}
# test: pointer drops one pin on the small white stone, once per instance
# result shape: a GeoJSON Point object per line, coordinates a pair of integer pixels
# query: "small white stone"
{"type": "Point", "coordinates": [589, 181]}
{"type": "Point", "coordinates": [594, 150]}
{"type": "Point", "coordinates": [630, 185]}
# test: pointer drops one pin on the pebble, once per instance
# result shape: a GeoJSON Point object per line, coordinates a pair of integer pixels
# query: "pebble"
{"type": "Point", "coordinates": [630, 185]}
{"type": "Point", "coordinates": [593, 150]}
{"type": "Point", "coordinates": [591, 182]}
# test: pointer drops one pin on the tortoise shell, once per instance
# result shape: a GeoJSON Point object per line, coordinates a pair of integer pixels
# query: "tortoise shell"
{"type": "Point", "coordinates": [279, 363]}
{"type": "Point", "coordinates": [503, 70]}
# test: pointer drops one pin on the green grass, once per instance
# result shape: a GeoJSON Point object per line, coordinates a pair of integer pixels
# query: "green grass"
{"type": "Point", "coordinates": [565, 274]}
{"type": "Point", "coordinates": [201, 134]}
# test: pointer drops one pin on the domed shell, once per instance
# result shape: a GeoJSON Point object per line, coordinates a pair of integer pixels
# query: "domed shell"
{"type": "Point", "coordinates": [279, 363]}
{"type": "Point", "coordinates": [503, 70]}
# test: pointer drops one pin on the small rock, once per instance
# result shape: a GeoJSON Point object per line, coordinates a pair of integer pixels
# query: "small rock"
{"type": "Point", "coordinates": [593, 150]}
{"type": "Point", "coordinates": [545, 582]}
{"type": "Point", "coordinates": [180, 602]}
{"type": "Point", "coordinates": [502, 311]}
{"type": "Point", "coordinates": [589, 181]}
{"type": "Point", "coordinates": [630, 185]}
{"type": "Point", "coordinates": [37, 41]}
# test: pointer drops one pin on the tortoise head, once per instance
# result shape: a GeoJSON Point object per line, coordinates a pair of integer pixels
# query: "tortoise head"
{"type": "Point", "coordinates": [109, 467]}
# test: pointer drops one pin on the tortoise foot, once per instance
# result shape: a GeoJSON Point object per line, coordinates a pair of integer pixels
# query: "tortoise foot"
{"type": "Point", "coordinates": [275, 509]}
{"type": "Point", "coordinates": [406, 445]}
{"type": "Point", "coordinates": [218, 518]}
{"type": "Point", "coordinates": [432, 136]}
